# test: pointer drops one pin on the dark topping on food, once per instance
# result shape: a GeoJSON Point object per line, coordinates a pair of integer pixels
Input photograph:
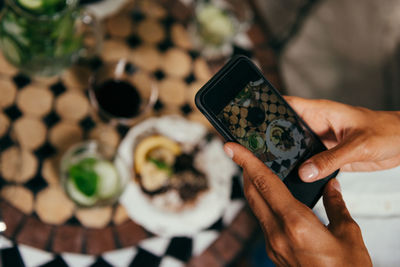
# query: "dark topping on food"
{"type": "Point", "coordinates": [256, 116]}
{"type": "Point", "coordinates": [184, 162]}
{"type": "Point", "coordinates": [189, 184]}
{"type": "Point", "coordinates": [284, 137]}
{"type": "Point", "coordinates": [163, 170]}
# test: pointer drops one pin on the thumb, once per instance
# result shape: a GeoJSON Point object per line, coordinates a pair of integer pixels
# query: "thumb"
{"type": "Point", "coordinates": [325, 163]}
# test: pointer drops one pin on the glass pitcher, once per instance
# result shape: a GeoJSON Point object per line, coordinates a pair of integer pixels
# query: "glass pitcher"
{"type": "Point", "coordinates": [43, 37]}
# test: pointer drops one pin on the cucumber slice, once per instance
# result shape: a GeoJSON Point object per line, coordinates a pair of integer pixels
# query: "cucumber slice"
{"type": "Point", "coordinates": [31, 4]}
{"type": "Point", "coordinates": [11, 50]}
{"type": "Point", "coordinates": [14, 30]}
{"type": "Point", "coordinates": [77, 196]}
{"type": "Point", "coordinates": [11, 27]}
{"type": "Point", "coordinates": [108, 179]}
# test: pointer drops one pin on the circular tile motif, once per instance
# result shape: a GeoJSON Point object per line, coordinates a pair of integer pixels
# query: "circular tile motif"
{"type": "Point", "coordinates": [53, 206]}
{"type": "Point", "coordinates": [177, 63]}
{"type": "Point", "coordinates": [19, 197]}
{"type": "Point", "coordinates": [65, 134]}
{"type": "Point", "coordinates": [30, 132]}
{"type": "Point", "coordinates": [35, 101]}
{"type": "Point", "coordinates": [7, 93]}
{"type": "Point", "coordinates": [72, 106]}
{"type": "Point", "coordinates": [4, 124]}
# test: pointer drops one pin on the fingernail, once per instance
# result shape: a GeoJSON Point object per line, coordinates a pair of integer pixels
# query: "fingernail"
{"type": "Point", "coordinates": [336, 185]}
{"type": "Point", "coordinates": [308, 171]}
{"type": "Point", "coordinates": [228, 151]}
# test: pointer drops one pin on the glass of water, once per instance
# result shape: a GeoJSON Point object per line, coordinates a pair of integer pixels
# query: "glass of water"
{"type": "Point", "coordinates": [93, 174]}
{"type": "Point", "coordinates": [43, 37]}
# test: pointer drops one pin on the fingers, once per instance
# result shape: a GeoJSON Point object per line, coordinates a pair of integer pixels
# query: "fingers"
{"type": "Point", "coordinates": [322, 115]}
{"type": "Point", "coordinates": [369, 166]}
{"type": "Point", "coordinates": [299, 104]}
{"type": "Point", "coordinates": [260, 209]}
{"type": "Point", "coordinates": [271, 188]}
{"type": "Point", "coordinates": [340, 221]}
{"type": "Point", "coordinates": [323, 164]}
{"type": "Point", "coordinates": [303, 105]}
{"type": "Point", "coordinates": [275, 241]}
{"type": "Point", "coordinates": [326, 118]}
{"type": "Point", "coordinates": [257, 203]}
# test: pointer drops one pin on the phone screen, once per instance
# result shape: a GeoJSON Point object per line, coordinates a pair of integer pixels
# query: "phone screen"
{"type": "Point", "coordinates": [245, 108]}
{"type": "Point", "coordinates": [260, 120]}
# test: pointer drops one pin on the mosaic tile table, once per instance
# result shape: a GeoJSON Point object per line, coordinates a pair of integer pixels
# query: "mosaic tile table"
{"type": "Point", "coordinates": [44, 228]}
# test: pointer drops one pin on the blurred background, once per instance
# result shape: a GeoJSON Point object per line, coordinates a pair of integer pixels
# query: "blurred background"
{"type": "Point", "coordinates": [340, 50]}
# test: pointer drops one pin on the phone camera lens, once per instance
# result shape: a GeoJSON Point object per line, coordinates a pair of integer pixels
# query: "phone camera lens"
{"type": "Point", "coordinates": [256, 116]}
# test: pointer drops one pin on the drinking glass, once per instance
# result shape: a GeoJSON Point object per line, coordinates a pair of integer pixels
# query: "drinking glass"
{"type": "Point", "coordinates": [92, 174]}
{"type": "Point", "coordinates": [215, 25]}
{"type": "Point", "coordinates": [43, 39]}
{"type": "Point", "coordinates": [121, 93]}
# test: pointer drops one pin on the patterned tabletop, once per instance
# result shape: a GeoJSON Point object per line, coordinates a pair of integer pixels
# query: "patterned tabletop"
{"type": "Point", "coordinates": [50, 114]}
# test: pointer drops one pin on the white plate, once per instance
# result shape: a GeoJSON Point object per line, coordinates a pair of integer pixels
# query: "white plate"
{"type": "Point", "coordinates": [208, 208]}
{"type": "Point", "coordinates": [277, 152]}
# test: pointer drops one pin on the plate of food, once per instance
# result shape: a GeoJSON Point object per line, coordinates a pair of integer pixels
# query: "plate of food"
{"type": "Point", "coordinates": [283, 139]}
{"type": "Point", "coordinates": [182, 177]}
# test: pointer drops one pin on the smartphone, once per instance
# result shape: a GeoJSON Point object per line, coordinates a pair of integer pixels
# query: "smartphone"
{"type": "Point", "coordinates": [245, 108]}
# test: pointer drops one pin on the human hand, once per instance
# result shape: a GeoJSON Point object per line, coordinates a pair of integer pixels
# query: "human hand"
{"type": "Point", "coordinates": [294, 235]}
{"type": "Point", "coordinates": [358, 139]}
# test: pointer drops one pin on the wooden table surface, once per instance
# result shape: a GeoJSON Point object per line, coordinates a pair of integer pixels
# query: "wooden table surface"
{"type": "Point", "coordinates": [50, 114]}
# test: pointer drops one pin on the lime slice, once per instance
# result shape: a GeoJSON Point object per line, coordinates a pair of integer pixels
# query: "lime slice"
{"type": "Point", "coordinates": [77, 196]}
{"type": "Point", "coordinates": [31, 4]}
{"type": "Point", "coordinates": [207, 13]}
{"type": "Point", "coordinates": [215, 24]}
{"type": "Point", "coordinates": [108, 179]}
{"type": "Point", "coordinates": [11, 50]}
{"type": "Point", "coordinates": [220, 25]}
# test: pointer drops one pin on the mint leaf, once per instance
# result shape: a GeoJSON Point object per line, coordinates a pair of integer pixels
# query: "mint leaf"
{"type": "Point", "coordinates": [87, 163]}
{"type": "Point", "coordinates": [84, 177]}
{"type": "Point", "coordinates": [253, 142]}
{"type": "Point", "coordinates": [161, 165]}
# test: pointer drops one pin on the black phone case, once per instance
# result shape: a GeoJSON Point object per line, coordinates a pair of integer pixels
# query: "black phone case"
{"type": "Point", "coordinates": [209, 85]}
{"type": "Point", "coordinates": [307, 193]}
